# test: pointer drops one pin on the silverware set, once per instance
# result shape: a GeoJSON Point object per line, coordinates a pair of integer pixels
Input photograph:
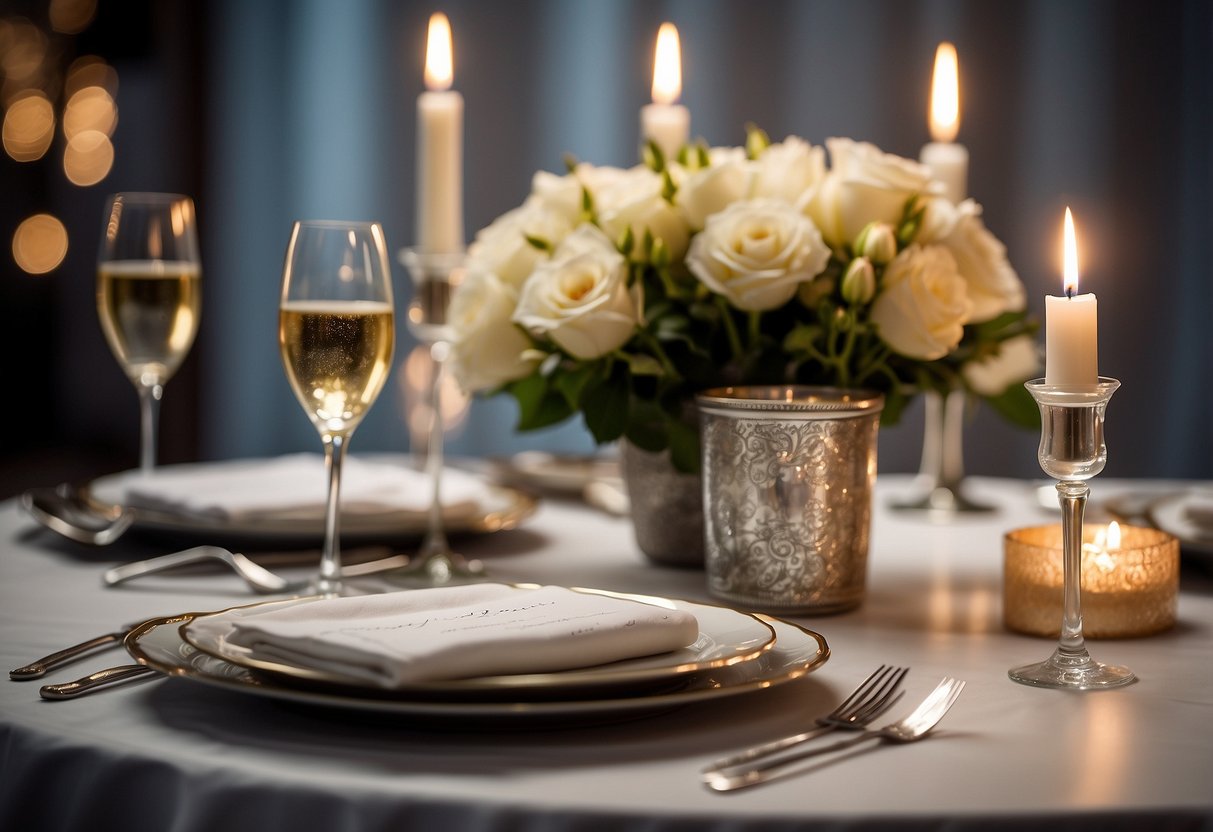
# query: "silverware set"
{"type": "Point", "coordinates": [69, 690]}
{"type": "Point", "coordinates": [874, 696]}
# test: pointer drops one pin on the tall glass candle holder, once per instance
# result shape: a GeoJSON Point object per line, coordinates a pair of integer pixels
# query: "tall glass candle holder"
{"type": "Point", "coordinates": [434, 277]}
{"type": "Point", "coordinates": [940, 481]}
{"type": "Point", "coordinates": [1072, 451]}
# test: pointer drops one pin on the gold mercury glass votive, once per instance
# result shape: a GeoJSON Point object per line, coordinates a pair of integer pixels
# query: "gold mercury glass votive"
{"type": "Point", "coordinates": [1128, 589]}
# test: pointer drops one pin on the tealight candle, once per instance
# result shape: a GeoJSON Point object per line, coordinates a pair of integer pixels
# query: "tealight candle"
{"type": "Point", "coordinates": [1130, 581]}
{"type": "Point", "coordinates": [947, 159]}
{"type": "Point", "coordinates": [1071, 326]}
{"type": "Point", "coordinates": [665, 123]}
{"type": "Point", "coordinates": [439, 147]}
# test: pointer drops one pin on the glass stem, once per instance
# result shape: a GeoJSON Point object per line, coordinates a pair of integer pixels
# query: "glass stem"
{"type": "Point", "coordinates": [1073, 499]}
{"type": "Point", "coordinates": [436, 541]}
{"type": "Point", "coordinates": [952, 464]}
{"type": "Point", "coordinates": [330, 559]}
{"type": "Point", "coordinates": [149, 424]}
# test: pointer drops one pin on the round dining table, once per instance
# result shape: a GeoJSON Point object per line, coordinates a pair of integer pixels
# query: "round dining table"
{"type": "Point", "coordinates": [166, 753]}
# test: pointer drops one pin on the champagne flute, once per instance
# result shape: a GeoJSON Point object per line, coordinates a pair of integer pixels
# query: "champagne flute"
{"type": "Point", "coordinates": [435, 275]}
{"type": "Point", "coordinates": [149, 296]}
{"type": "Point", "coordinates": [336, 333]}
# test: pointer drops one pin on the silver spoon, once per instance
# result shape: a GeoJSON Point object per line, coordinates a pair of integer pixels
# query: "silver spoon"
{"type": "Point", "coordinates": [256, 576]}
{"type": "Point", "coordinates": [62, 510]}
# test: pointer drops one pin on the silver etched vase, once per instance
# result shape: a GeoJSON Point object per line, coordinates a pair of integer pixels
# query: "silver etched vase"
{"type": "Point", "coordinates": [666, 507]}
{"type": "Point", "coordinates": [787, 488]}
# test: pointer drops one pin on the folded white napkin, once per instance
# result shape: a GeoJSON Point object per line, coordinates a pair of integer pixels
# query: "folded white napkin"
{"type": "Point", "coordinates": [295, 486]}
{"type": "Point", "coordinates": [447, 633]}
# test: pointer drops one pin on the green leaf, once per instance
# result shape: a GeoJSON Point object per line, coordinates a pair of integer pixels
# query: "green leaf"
{"type": "Point", "coordinates": [606, 409]}
{"type": "Point", "coordinates": [668, 188]}
{"type": "Point", "coordinates": [653, 157]}
{"type": "Point", "coordinates": [540, 243]}
{"type": "Point", "coordinates": [627, 241]}
{"type": "Point", "coordinates": [538, 405]}
{"type": "Point", "coordinates": [570, 162]}
{"type": "Point", "coordinates": [684, 446]}
{"type": "Point", "coordinates": [573, 383]}
{"type": "Point", "coordinates": [803, 337]}
{"type": "Point", "coordinates": [1017, 406]}
{"type": "Point", "coordinates": [895, 402]}
{"type": "Point", "coordinates": [587, 205]}
{"type": "Point", "coordinates": [643, 364]}
{"type": "Point", "coordinates": [756, 141]}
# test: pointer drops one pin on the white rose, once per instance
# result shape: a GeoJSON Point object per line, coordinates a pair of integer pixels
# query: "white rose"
{"type": "Point", "coordinates": [922, 305]}
{"type": "Point", "coordinates": [1017, 361]}
{"type": "Point", "coordinates": [634, 200]}
{"type": "Point", "coordinates": [502, 247]}
{"type": "Point", "coordinates": [488, 347]}
{"type": "Point", "coordinates": [993, 285]}
{"type": "Point", "coordinates": [788, 170]}
{"type": "Point", "coordinates": [709, 190]}
{"type": "Point", "coordinates": [864, 185]}
{"type": "Point", "coordinates": [580, 298]}
{"type": "Point", "coordinates": [757, 253]}
{"type": "Point", "coordinates": [563, 195]}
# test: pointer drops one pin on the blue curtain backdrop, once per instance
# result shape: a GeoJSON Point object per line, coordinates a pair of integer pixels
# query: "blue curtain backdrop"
{"type": "Point", "coordinates": [277, 110]}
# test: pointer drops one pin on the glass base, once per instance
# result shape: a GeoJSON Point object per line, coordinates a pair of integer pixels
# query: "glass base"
{"type": "Point", "coordinates": [943, 500]}
{"type": "Point", "coordinates": [437, 569]}
{"type": "Point", "coordinates": [1072, 672]}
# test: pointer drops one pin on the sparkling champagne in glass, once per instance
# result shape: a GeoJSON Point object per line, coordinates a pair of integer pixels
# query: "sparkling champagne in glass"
{"type": "Point", "coordinates": [149, 295]}
{"type": "Point", "coordinates": [336, 333]}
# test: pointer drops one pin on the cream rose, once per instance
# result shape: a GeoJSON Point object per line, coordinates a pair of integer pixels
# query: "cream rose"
{"type": "Point", "coordinates": [922, 305]}
{"type": "Point", "coordinates": [580, 298]}
{"type": "Point", "coordinates": [634, 200]}
{"type": "Point", "coordinates": [503, 249]}
{"type": "Point", "coordinates": [709, 190]}
{"type": "Point", "coordinates": [757, 253]}
{"type": "Point", "coordinates": [993, 285]}
{"type": "Point", "coordinates": [488, 348]}
{"type": "Point", "coordinates": [1016, 361]}
{"type": "Point", "coordinates": [864, 185]}
{"type": "Point", "coordinates": [563, 195]}
{"type": "Point", "coordinates": [788, 170]}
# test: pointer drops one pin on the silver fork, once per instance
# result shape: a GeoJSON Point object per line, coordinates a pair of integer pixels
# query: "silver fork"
{"type": "Point", "coordinates": [873, 697]}
{"type": "Point", "coordinates": [256, 576]}
{"type": "Point", "coordinates": [908, 729]}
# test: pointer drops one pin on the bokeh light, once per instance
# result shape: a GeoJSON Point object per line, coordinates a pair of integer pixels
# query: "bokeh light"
{"type": "Point", "coordinates": [88, 157]}
{"type": "Point", "coordinates": [40, 244]}
{"type": "Point", "coordinates": [71, 16]}
{"type": "Point", "coordinates": [90, 71]}
{"type": "Point", "coordinates": [90, 108]}
{"type": "Point", "coordinates": [29, 127]}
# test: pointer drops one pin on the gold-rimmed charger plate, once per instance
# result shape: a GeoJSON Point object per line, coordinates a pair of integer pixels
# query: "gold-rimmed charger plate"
{"type": "Point", "coordinates": [797, 652]}
{"type": "Point", "coordinates": [500, 509]}
{"type": "Point", "coordinates": [726, 637]}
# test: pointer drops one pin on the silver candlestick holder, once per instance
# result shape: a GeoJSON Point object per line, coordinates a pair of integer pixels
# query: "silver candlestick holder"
{"type": "Point", "coordinates": [1072, 451]}
{"type": "Point", "coordinates": [434, 276]}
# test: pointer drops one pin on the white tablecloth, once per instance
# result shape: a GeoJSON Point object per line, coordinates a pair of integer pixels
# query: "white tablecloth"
{"type": "Point", "coordinates": [171, 754]}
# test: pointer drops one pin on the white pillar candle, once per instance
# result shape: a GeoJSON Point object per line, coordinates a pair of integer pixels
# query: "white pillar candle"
{"type": "Point", "coordinates": [666, 124]}
{"type": "Point", "coordinates": [1071, 326]}
{"type": "Point", "coordinates": [948, 160]}
{"type": "Point", "coordinates": [439, 148]}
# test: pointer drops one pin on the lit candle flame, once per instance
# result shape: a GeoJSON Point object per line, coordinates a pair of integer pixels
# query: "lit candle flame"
{"type": "Point", "coordinates": [1113, 542]}
{"type": "Point", "coordinates": [1070, 265]}
{"type": "Point", "coordinates": [945, 95]}
{"type": "Point", "coordinates": [439, 60]}
{"type": "Point", "coordinates": [667, 66]}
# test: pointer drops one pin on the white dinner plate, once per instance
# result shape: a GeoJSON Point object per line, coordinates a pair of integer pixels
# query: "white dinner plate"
{"type": "Point", "coordinates": [726, 636]}
{"type": "Point", "coordinates": [1170, 514]}
{"type": "Point", "coordinates": [501, 508]}
{"type": "Point", "coordinates": [797, 652]}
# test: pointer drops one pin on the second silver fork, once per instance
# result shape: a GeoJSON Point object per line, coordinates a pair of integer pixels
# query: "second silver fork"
{"type": "Point", "coordinates": [873, 697]}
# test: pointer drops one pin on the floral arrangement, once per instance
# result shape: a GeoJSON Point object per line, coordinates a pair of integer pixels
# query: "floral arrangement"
{"type": "Point", "coordinates": [620, 293]}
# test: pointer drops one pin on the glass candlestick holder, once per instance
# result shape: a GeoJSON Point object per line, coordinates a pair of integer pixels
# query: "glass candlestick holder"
{"type": "Point", "coordinates": [1072, 451]}
{"type": "Point", "coordinates": [434, 276]}
{"type": "Point", "coordinates": [940, 481]}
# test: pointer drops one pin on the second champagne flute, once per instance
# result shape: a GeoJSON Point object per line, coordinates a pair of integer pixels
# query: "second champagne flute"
{"type": "Point", "coordinates": [336, 332]}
